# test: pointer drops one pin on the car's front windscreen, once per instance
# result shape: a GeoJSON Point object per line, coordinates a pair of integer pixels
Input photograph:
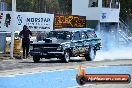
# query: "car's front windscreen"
{"type": "Point", "coordinates": [91, 35]}
{"type": "Point", "coordinates": [63, 35]}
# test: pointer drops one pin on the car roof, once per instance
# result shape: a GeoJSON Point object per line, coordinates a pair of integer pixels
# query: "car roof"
{"type": "Point", "coordinates": [75, 29]}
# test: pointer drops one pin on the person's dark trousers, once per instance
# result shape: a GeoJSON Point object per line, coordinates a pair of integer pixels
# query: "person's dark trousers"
{"type": "Point", "coordinates": [25, 50]}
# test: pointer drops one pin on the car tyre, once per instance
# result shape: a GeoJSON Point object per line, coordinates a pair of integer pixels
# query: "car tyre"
{"type": "Point", "coordinates": [66, 57]}
{"type": "Point", "coordinates": [36, 59]}
{"type": "Point", "coordinates": [90, 54]}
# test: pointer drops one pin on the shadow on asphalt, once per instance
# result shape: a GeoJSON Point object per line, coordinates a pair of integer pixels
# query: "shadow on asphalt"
{"type": "Point", "coordinates": [52, 61]}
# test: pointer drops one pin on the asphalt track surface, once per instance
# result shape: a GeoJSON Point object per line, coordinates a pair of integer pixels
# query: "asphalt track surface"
{"type": "Point", "coordinates": [59, 78]}
{"type": "Point", "coordinates": [23, 73]}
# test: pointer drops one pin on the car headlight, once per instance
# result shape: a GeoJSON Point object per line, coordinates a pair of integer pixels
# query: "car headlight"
{"type": "Point", "coordinates": [67, 45]}
{"type": "Point", "coordinates": [59, 48]}
{"type": "Point", "coordinates": [31, 47]}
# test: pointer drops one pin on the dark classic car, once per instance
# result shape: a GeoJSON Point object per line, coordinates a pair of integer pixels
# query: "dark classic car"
{"type": "Point", "coordinates": [82, 42]}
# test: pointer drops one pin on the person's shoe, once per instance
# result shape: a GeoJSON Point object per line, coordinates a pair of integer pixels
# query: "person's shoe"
{"type": "Point", "coordinates": [24, 57]}
{"type": "Point", "coordinates": [28, 56]}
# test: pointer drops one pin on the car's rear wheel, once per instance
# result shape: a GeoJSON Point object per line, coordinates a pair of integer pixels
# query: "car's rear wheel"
{"type": "Point", "coordinates": [36, 59]}
{"type": "Point", "coordinates": [66, 57]}
{"type": "Point", "coordinates": [90, 54]}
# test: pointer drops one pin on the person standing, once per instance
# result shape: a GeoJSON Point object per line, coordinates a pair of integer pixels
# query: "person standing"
{"type": "Point", "coordinates": [25, 35]}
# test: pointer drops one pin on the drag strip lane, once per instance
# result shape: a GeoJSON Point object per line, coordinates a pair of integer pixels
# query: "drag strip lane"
{"type": "Point", "coordinates": [63, 78]}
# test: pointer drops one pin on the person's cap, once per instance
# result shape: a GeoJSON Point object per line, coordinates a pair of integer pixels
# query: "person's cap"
{"type": "Point", "coordinates": [24, 27]}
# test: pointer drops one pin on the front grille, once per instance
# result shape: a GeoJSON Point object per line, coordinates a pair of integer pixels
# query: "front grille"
{"type": "Point", "coordinates": [49, 49]}
{"type": "Point", "coordinates": [46, 49]}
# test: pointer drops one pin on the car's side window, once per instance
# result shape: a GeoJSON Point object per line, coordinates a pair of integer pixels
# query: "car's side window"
{"type": "Point", "coordinates": [91, 34]}
{"type": "Point", "coordinates": [76, 36]}
{"type": "Point", "coordinates": [78, 43]}
{"type": "Point", "coordinates": [84, 35]}
{"type": "Point", "coordinates": [72, 44]}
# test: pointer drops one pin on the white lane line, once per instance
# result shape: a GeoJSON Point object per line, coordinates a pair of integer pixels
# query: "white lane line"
{"type": "Point", "coordinates": [86, 86]}
{"type": "Point", "coordinates": [23, 73]}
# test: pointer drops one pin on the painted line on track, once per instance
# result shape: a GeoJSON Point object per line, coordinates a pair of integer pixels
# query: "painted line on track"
{"type": "Point", "coordinates": [58, 78]}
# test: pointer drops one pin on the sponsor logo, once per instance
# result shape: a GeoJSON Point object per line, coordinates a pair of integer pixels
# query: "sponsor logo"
{"type": "Point", "coordinates": [38, 23]}
{"type": "Point", "coordinates": [19, 19]}
{"type": "Point", "coordinates": [7, 20]}
{"type": "Point", "coordinates": [83, 78]}
{"type": "Point", "coordinates": [103, 15]}
{"type": "Point", "coordinates": [69, 21]}
{"type": "Point", "coordinates": [37, 20]}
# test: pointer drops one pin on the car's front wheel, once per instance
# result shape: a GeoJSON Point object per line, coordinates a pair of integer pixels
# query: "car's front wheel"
{"type": "Point", "coordinates": [36, 59]}
{"type": "Point", "coordinates": [66, 57]}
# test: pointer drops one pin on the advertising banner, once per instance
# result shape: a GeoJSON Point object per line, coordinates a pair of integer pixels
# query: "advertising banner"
{"type": "Point", "coordinates": [108, 15]}
{"type": "Point", "coordinates": [69, 21]}
{"type": "Point", "coordinates": [14, 21]}
{"type": "Point", "coordinates": [34, 21]}
{"type": "Point", "coordinates": [6, 20]}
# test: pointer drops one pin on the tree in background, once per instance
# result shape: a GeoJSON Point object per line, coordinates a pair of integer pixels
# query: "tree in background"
{"type": "Point", "coordinates": [126, 10]}
{"type": "Point", "coordinates": [63, 7]}
{"type": "Point", "coordinates": [23, 5]}
{"type": "Point", "coordinates": [47, 6]}
{"type": "Point", "coordinates": [8, 4]}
